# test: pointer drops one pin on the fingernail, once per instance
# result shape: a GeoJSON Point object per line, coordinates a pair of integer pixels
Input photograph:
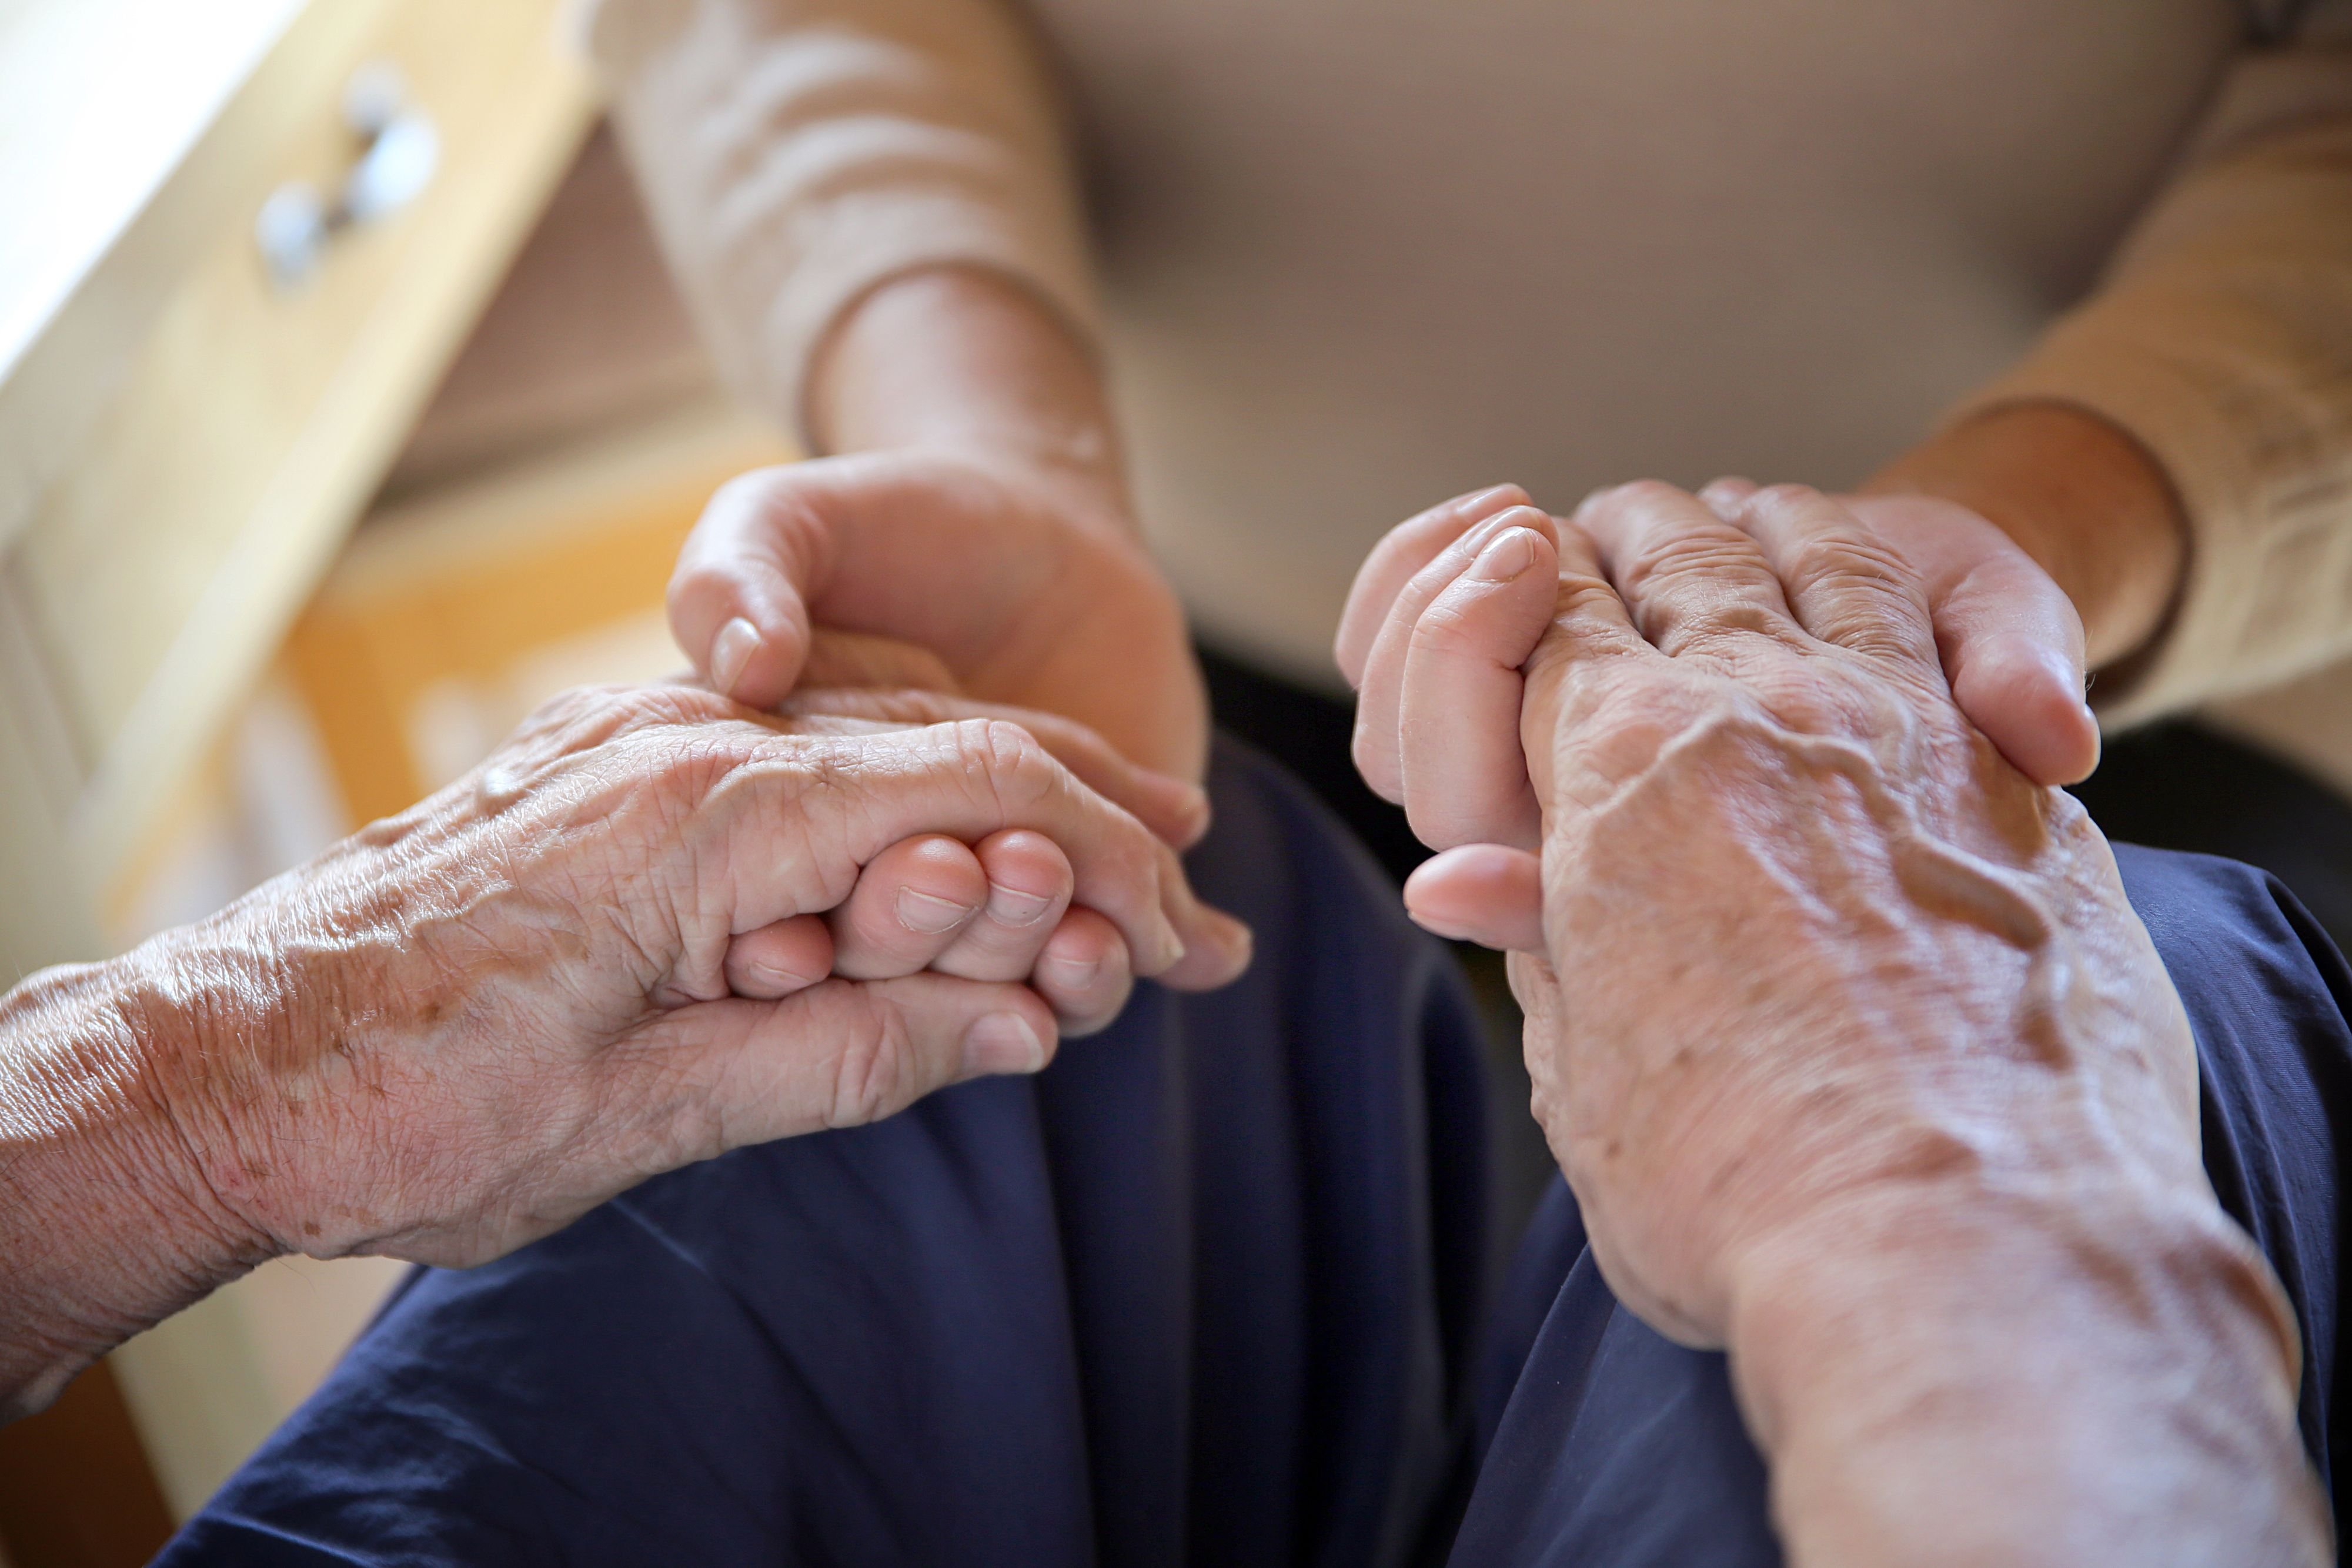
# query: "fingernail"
{"type": "Point", "coordinates": [1171, 947]}
{"type": "Point", "coordinates": [731, 653]}
{"type": "Point", "coordinates": [1485, 499]}
{"type": "Point", "coordinates": [1002, 1042]}
{"type": "Point", "coordinates": [781, 978]}
{"type": "Point", "coordinates": [919, 911]}
{"type": "Point", "coordinates": [1076, 973]}
{"type": "Point", "coordinates": [1011, 906]}
{"type": "Point", "coordinates": [1507, 555]}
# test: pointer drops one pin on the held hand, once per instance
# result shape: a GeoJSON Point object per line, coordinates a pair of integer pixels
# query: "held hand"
{"type": "Point", "coordinates": [997, 910]}
{"type": "Point", "coordinates": [1018, 583]}
{"type": "Point", "coordinates": [476, 1020]}
{"type": "Point", "coordinates": [1450, 605]}
{"type": "Point", "coordinates": [1861, 1065]}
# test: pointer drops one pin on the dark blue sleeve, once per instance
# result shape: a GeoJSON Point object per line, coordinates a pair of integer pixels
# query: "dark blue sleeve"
{"type": "Point", "coordinates": [1201, 1293]}
{"type": "Point", "coordinates": [1608, 1446]}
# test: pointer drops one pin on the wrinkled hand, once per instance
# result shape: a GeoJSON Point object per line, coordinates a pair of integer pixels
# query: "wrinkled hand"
{"type": "Point", "coordinates": [1797, 899]}
{"type": "Point", "coordinates": [476, 1020]}
{"type": "Point", "coordinates": [1846, 1037]}
{"type": "Point", "coordinates": [1024, 589]}
{"type": "Point", "coordinates": [1000, 909]}
{"type": "Point", "coordinates": [1459, 594]}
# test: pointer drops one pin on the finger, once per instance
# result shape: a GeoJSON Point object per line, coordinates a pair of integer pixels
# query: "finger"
{"type": "Point", "coordinates": [844, 800]}
{"type": "Point", "coordinates": [1486, 893]}
{"type": "Point", "coordinates": [1465, 775]}
{"type": "Point", "coordinates": [1029, 886]}
{"type": "Point", "coordinates": [1691, 581]}
{"type": "Point", "coordinates": [1406, 548]}
{"type": "Point", "coordinates": [2024, 699]}
{"type": "Point", "coordinates": [2009, 638]}
{"type": "Point", "coordinates": [1176, 809]}
{"type": "Point", "coordinates": [1084, 974]}
{"type": "Point", "coordinates": [841, 1053]}
{"type": "Point", "coordinates": [910, 905]}
{"type": "Point", "coordinates": [779, 959]}
{"type": "Point", "coordinates": [1848, 585]}
{"type": "Point", "coordinates": [1379, 698]}
{"type": "Point", "coordinates": [860, 659]}
{"type": "Point", "coordinates": [1726, 496]}
{"type": "Point", "coordinates": [2012, 645]}
{"type": "Point", "coordinates": [739, 597]}
{"type": "Point", "coordinates": [1590, 627]}
{"type": "Point", "coordinates": [861, 544]}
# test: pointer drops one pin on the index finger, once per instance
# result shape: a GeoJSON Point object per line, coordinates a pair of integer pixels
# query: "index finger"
{"type": "Point", "coordinates": [1402, 551]}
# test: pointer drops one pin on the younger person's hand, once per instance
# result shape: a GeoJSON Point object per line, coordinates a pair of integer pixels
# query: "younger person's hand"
{"type": "Point", "coordinates": [1015, 581]}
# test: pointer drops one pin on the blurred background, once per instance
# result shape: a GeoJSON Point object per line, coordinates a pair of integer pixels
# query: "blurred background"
{"type": "Point", "coordinates": [345, 413]}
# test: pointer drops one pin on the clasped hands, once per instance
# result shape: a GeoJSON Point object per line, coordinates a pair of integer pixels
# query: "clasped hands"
{"type": "Point", "coordinates": [1839, 1023]}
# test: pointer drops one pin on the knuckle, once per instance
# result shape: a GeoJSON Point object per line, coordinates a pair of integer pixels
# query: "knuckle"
{"type": "Point", "coordinates": [1799, 498]}
{"type": "Point", "coordinates": [754, 486]}
{"type": "Point", "coordinates": [1641, 494]}
{"type": "Point", "coordinates": [1698, 549]}
{"type": "Point", "coordinates": [1581, 592]}
{"type": "Point", "coordinates": [1003, 759]}
{"type": "Point", "coordinates": [872, 1077]}
{"type": "Point", "coordinates": [1849, 556]}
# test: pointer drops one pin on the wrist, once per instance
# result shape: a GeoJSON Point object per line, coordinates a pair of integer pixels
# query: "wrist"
{"type": "Point", "coordinates": [113, 1223]}
{"type": "Point", "coordinates": [968, 363]}
{"type": "Point", "coordinates": [2009, 1376]}
{"type": "Point", "coordinates": [2081, 496]}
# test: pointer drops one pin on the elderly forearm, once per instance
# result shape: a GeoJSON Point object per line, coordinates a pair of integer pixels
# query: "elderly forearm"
{"type": "Point", "coordinates": [106, 1225]}
{"type": "Point", "coordinates": [2116, 1366]}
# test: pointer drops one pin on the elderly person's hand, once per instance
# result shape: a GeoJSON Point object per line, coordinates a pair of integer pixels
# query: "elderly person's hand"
{"type": "Point", "coordinates": [598, 958]}
{"type": "Point", "coordinates": [1853, 1051]}
{"type": "Point", "coordinates": [2009, 642]}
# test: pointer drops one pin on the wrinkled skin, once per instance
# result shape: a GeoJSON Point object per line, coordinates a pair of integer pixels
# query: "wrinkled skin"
{"type": "Point", "coordinates": [528, 965]}
{"type": "Point", "coordinates": [1843, 1031]}
{"type": "Point", "coordinates": [472, 1022]}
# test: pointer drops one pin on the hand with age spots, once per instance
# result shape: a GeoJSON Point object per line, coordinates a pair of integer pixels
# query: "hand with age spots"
{"type": "Point", "coordinates": [1840, 1028]}
{"type": "Point", "coordinates": [655, 926]}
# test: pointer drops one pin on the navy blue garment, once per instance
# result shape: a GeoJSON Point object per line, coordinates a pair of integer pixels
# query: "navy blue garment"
{"type": "Point", "coordinates": [1611, 1446]}
{"type": "Point", "coordinates": [1203, 1293]}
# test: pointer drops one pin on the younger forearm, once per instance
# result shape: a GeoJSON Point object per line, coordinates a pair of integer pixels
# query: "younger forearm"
{"type": "Point", "coordinates": [105, 1228]}
{"type": "Point", "coordinates": [967, 362]}
{"type": "Point", "coordinates": [2081, 496]}
{"type": "Point", "coordinates": [2092, 1372]}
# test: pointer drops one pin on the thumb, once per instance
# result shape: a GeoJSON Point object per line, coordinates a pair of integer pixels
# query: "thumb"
{"type": "Point", "coordinates": [1486, 893]}
{"type": "Point", "coordinates": [738, 600]}
{"type": "Point", "coordinates": [2009, 638]}
{"type": "Point", "coordinates": [2012, 649]}
{"type": "Point", "coordinates": [841, 1053]}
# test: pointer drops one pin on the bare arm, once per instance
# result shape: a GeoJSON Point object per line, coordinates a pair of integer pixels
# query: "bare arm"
{"type": "Point", "coordinates": [955, 359]}
{"type": "Point", "coordinates": [469, 1024]}
{"type": "Point", "coordinates": [1856, 1056]}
